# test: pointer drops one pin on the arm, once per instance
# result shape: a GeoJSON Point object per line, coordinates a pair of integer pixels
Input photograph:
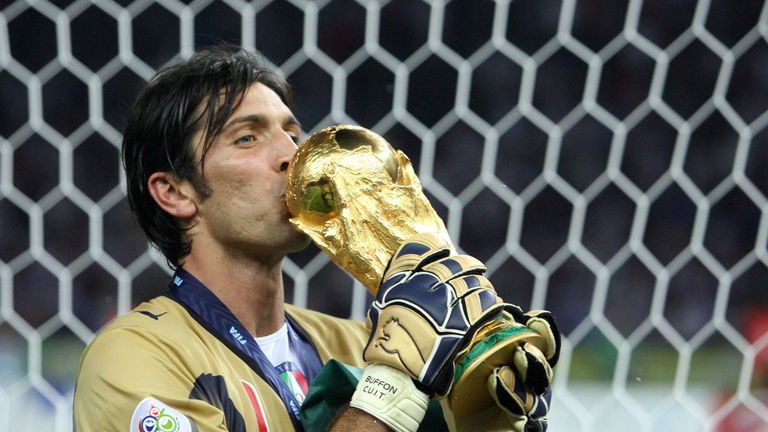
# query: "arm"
{"type": "Point", "coordinates": [426, 309]}
{"type": "Point", "coordinates": [354, 420]}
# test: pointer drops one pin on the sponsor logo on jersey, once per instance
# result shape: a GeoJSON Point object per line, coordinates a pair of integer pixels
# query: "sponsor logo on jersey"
{"type": "Point", "coordinates": [258, 406]}
{"type": "Point", "coordinates": [151, 415]}
{"type": "Point", "coordinates": [151, 315]}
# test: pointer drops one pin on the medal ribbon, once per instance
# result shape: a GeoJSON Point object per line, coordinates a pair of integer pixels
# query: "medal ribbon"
{"type": "Point", "coordinates": [219, 320]}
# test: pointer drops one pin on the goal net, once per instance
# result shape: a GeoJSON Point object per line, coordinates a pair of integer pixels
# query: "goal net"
{"type": "Point", "coordinates": [605, 158]}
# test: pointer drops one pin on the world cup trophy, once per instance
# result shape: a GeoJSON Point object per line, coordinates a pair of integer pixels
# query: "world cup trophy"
{"type": "Point", "coordinates": [358, 199]}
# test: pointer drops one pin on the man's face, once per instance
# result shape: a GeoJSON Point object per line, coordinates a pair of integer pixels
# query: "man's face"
{"type": "Point", "coordinates": [245, 169]}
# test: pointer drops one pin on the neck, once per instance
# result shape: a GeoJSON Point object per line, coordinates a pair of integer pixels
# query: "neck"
{"type": "Point", "coordinates": [252, 289]}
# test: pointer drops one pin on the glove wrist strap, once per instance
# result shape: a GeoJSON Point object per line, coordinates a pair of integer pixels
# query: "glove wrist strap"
{"type": "Point", "coordinates": [391, 396]}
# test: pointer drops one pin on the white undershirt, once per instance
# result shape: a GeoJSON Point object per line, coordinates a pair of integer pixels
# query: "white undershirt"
{"type": "Point", "coordinates": [282, 353]}
{"type": "Point", "coordinates": [278, 348]}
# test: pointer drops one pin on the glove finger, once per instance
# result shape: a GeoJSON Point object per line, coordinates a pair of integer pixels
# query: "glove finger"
{"type": "Point", "coordinates": [516, 312]}
{"type": "Point", "coordinates": [535, 425]}
{"type": "Point", "coordinates": [415, 253]}
{"type": "Point", "coordinates": [541, 407]}
{"type": "Point", "coordinates": [543, 323]}
{"type": "Point", "coordinates": [477, 298]}
{"type": "Point", "coordinates": [532, 367]}
{"type": "Point", "coordinates": [455, 266]}
{"type": "Point", "coordinates": [528, 412]}
{"type": "Point", "coordinates": [508, 391]}
{"type": "Point", "coordinates": [468, 285]}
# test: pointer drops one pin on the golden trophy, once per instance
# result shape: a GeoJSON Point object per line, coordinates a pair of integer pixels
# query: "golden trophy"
{"type": "Point", "coordinates": [358, 199]}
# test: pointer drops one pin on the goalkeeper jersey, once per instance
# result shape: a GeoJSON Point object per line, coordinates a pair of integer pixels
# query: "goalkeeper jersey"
{"type": "Point", "coordinates": [162, 368]}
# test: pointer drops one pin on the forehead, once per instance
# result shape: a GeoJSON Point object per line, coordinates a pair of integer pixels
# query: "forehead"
{"type": "Point", "coordinates": [258, 101]}
{"type": "Point", "coordinates": [259, 97]}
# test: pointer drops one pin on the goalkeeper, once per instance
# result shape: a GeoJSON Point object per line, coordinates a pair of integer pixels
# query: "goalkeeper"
{"type": "Point", "coordinates": [205, 150]}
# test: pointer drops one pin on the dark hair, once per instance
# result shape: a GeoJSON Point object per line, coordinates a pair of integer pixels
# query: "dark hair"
{"type": "Point", "coordinates": [200, 93]}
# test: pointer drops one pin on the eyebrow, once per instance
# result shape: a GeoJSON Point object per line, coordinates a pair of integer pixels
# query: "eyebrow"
{"type": "Point", "coordinates": [258, 119]}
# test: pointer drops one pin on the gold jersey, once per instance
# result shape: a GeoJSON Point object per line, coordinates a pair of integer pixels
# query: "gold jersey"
{"type": "Point", "coordinates": [158, 368]}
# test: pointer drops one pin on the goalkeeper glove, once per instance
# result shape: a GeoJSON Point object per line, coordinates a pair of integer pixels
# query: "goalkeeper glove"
{"type": "Point", "coordinates": [522, 390]}
{"type": "Point", "coordinates": [428, 306]}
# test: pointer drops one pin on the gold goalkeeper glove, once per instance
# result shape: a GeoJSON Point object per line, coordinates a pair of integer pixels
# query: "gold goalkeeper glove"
{"type": "Point", "coordinates": [428, 306]}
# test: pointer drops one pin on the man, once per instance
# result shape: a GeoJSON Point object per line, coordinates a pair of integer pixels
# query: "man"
{"type": "Point", "coordinates": [206, 149]}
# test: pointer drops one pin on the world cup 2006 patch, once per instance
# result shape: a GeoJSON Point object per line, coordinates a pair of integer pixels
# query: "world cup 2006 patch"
{"type": "Point", "coordinates": [151, 415]}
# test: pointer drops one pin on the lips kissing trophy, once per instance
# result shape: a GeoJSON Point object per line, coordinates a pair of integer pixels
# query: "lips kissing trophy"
{"type": "Point", "coordinates": [360, 201]}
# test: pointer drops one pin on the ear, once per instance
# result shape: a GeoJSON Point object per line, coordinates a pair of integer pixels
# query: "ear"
{"type": "Point", "coordinates": [176, 197]}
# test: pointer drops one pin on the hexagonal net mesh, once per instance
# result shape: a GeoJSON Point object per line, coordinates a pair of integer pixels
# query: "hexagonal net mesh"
{"type": "Point", "coordinates": [604, 158]}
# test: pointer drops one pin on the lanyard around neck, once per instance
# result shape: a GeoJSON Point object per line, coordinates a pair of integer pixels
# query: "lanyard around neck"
{"type": "Point", "coordinates": [220, 321]}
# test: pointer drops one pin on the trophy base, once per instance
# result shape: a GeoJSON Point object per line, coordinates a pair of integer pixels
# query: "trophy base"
{"type": "Point", "coordinates": [492, 346]}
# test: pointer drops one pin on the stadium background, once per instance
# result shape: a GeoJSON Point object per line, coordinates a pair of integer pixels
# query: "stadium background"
{"type": "Point", "coordinates": [605, 158]}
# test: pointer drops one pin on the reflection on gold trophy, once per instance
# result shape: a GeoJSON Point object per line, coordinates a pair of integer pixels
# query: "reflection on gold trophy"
{"type": "Point", "coordinates": [358, 199]}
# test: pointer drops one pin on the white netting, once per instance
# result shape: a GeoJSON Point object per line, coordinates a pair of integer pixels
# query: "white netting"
{"type": "Point", "coordinates": [605, 158]}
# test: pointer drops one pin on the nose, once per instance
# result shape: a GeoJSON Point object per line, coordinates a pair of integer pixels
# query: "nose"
{"type": "Point", "coordinates": [287, 150]}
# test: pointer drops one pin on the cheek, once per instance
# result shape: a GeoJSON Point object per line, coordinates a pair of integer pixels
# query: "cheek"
{"type": "Point", "coordinates": [243, 190]}
{"type": "Point", "coordinates": [234, 175]}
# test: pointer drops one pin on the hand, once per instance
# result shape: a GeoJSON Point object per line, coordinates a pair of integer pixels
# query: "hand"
{"type": "Point", "coordinates": [426, 310]}
{"type": "Point", "coordinates": [523, 390]}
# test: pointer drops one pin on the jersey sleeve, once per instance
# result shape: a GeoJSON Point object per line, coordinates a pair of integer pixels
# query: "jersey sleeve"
{"type": "Point", "coordinates": [129, 380]}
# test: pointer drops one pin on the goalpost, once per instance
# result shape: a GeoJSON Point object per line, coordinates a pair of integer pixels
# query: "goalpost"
{"type": "Point", "coordinates": [605, 159]}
